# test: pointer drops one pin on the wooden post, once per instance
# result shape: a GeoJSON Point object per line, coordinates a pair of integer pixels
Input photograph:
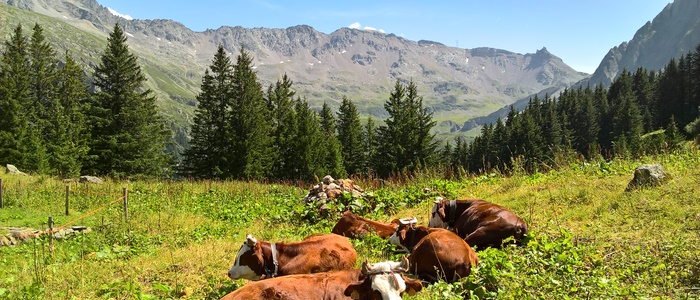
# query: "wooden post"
{"type": "Point", "coordinates": [67, 198]}
{"type": "Point", "coordinates": [1, 205]}
{"type": "Point", "coordinates": [126, 212]}
{"type": "Point", "coordinates": [51, 235]}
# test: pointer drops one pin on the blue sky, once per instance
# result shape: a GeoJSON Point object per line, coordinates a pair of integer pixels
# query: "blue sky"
{"type": "Point", "coordinates": [580, 32]}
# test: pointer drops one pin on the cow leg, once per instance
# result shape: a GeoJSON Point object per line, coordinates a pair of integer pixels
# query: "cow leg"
{"type": "Point", "coordinates": [479, 238]}
{"type": "Point", "coordinates": [427, 277]}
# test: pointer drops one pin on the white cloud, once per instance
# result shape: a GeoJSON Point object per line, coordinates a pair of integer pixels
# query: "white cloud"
{"type": "Point", "coordinates": [381, 30]}
{"type": "Point", "coordinates": [370, 28]}
{"type": "Point", "coordinates": [355, 25]}
{"type": "Point", "coordinates": [114, 12]}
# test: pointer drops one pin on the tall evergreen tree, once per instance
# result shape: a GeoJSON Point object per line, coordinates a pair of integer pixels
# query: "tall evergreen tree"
{"type": "Point", "coordinates": [405, 140]}
{"type": "Point", "coordinates": [369, 145]}
{"type": "Point", "coordinates": [250, 135]}
{"type": "Point", "coordinates": [328, 122]}
{"type": "Point", "coordinates": [17, 136]}
{"type": "Point", "coordinates": [128, 134]}
{"type": "Point", "coordinates": [209, 148]}
{"type": "Point", "coordinates": [280, 103]}
{"type": "Point", "coordinates": [350, 137]}
{"type": "Point", "coordinates": [69, 124]}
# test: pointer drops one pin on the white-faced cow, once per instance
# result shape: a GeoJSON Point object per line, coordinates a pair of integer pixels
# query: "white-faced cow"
{"type": "Point", "coordinates": [317, 253]}
{"type": "Point", "coordinates": [379, 281]}
{"type": "Point", "coordinates": [480, 223]}
{"type": "Point", "coordinates": [353, 226]}
{"type": "Point", "coordinates": [435, 252]}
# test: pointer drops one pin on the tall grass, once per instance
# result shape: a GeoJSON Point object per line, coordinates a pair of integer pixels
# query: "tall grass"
{"type": "Point", "coordinates": [590, 238]}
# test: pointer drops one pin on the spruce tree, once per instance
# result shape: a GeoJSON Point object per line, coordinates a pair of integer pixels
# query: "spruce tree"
{"type": "Point", "coordinates": [128, 134]}
{"type": "Point", "coordinates": [328, 122]}
{"type": "Point", "coordinates": [369, 145]}
{"type": "Point", "coordinates": [250, 135]}
{"type": "Point", "coordinates": [69, 124]}
{"type": "Point", "coordinates": [350, 137]}
{"type": "Point", "coordinates": [308, 144]}
{"type": "Point", "coordinates": [19, 139]}
{"type": "Point", "coordinates": [209, 148]}
{"type": "Point", "coordinates": [280, 103]}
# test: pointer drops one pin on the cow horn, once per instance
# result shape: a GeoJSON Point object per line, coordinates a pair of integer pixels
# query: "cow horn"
{"type": "Point", "coordinates": [436, 201]}
{"type": "Point", "coordinates": [365, 268]}
{"type": "Point", "coordinates": [250, 240]}
{"type": "Point", "coordinates": [403, 266]}
{"type": "Point", "coordinates": [402, 222]}
{"type": "Point", "coordinates": [413, 221]}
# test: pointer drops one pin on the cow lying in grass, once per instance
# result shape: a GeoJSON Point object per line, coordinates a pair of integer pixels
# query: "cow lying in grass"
{"type": "Point", "coordinates": [317, 253]}
{"type": "Point", "coordinates": [435, 253]}
{"type": "Point", "coordinates": [354, 226]}
{"type": "Point", "coordinates": [480, 223]}
{"type": "Point", "coordinates": [374, 281]}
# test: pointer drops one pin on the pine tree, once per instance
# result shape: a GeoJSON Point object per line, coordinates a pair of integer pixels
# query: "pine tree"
{"type": "Point", "coordinates": [328, 122]}
{"type": "Point", "coordinates": [673, 135]}
{"type": "Point", "coordinates": [17, 135]}
{"type": "Point", "coordinates": [210, 131]}
{"type": "Point", "coordinates": [250, 135]}
{"type": "Point", "coordinates": [350, 137]}
{"type": "Point", "coordinates": [70, 123]}
{"type": "Point", "coordinates": [280, 103]}
{"type": "Point", "coordinates": [369, 146]}
{"type": "Point", "coordinates": [627, 119]}
{"type": "Point", "coordinates": [128, 134]}
{"type": "Point", "coordinates": [308, 145]}
{"type": "Point", "coordinates": [405, 141]}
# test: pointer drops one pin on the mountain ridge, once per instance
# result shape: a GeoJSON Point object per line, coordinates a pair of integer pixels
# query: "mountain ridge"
{"type": "Point", "coordinates": [456, 83]}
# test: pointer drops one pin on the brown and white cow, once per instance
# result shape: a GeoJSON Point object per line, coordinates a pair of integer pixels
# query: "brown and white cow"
{"type": "Point", "coordinates": [317, 253]}
{"type": "Point", "coordinates": [435, 252]}
{"type": "Point", "coordinates": [480, 223]}
{"type": "Point", "coordinates": [353, 226]}
{"type": "Point", "coordinates": [379, 281]}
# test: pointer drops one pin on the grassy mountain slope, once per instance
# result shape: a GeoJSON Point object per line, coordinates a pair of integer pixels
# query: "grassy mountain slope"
{"type": "Point", "coordinates": [589, 238]}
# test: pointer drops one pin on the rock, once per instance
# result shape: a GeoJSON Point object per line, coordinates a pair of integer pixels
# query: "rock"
{"type": "Point", "coordinates": [356, 194]}
{"type": "Point", "coordinates": [12, 239]}
{"type": "Point", "coordinates": [90, 179]}
{"type": "Point", "coordinates": [11, 169]}
{"type": "Point", "coordinates": [4, 241]}
{"type": "Point", "coordinates": [334, 193]}
{"type": "Point", "coordinates": [322, 195]}
{"type": "Point", "coordinates": [647, 175]}
{"type": "Point", "coordinates": [333, 186]}
{"type": "Point", "coordinates": [327, 179]}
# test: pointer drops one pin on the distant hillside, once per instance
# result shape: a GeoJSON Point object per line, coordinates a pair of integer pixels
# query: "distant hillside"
{"type": "Point", "coordinates": [457, 84]}
{"type": "Point", "coordinates": [674, 31]}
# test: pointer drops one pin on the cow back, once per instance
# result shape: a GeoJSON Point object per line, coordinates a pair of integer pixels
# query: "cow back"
{"type": "Point", "coordinates": [353, 226]}
{"type": "Point", "coordinates": [442, 255]}
{"type": "Point", "coordinates": [318, 253]}
{"type": "Point", "coordinates": [328, 285]}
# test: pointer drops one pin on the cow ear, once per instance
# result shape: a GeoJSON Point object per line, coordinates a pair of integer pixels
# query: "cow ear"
{"type": "Point", "coordinates": [250, 240]}
{"type": "Point", "coordinates": [441, 210]}
{"type": "Point", "coordinates": [413, 286]}
{"type": "Point", "coordinates": [353, 290]}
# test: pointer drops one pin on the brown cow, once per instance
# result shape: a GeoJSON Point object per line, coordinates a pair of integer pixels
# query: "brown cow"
{"type": "Point", "coordinates": [435, 252]}
{"type": "Point", "coordinates": [316, 253]}
{"type": "Point", "coordinates": [481, 224]}
{"type": "Point", "coordinates": [373, 282]}
{"type": "Point", "coordinates": [353, 226]}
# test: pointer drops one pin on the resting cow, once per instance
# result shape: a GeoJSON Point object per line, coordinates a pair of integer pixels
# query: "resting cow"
{"type": "Point", "coordinates": [435, 253]}
{"type": "Point", "coordinates": [353, 226]}
{"type": "Point", "coordinates": [317, 253]}
{"type": "Point", "coordinates": [375, 281]}
{"type": "Point", "coordinates": [481, 224]}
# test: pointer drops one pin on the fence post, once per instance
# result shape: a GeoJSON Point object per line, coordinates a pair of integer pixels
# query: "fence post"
{"type": "Point", "coordinates": [51, 235]}
{"type": "Point", "coordinates": [126, 212]}
{"type": "Point", "coordinates": [1, 205]}
{"type": "Point", "coordinates": [67, 198]}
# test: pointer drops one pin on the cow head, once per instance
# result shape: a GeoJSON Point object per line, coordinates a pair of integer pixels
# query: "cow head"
{"type": "Point", "coordinates": [249, 261]}
{"type": "Point", "coordinates": [383, 281]}
{"type": "Point", "coordinates": [399, 236]}
{"type": "Point", "coordinates": [438, 215]}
